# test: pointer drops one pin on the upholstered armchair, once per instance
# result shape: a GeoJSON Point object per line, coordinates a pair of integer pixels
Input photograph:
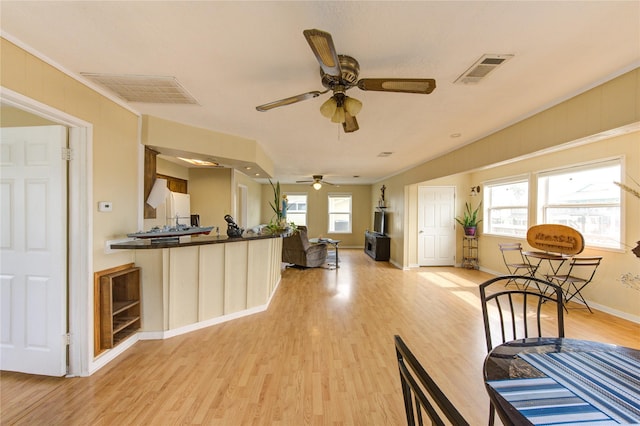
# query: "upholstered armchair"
{"type": "Point", "coordinates": [297, 250]}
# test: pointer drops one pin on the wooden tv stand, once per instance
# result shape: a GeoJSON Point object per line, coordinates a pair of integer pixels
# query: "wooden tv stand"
{"type": "Point", "coordinates": [377, 246]}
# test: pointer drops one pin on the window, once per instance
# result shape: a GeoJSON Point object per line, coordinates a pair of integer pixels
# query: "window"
{"type": "Point", "coordinates": [506, 207]}
{"type": "Point", "coordinates": [585, 198]}
{"type": "Point", "coordinates": [297, 209]}
{"type": "Point", "coordinates": [339, 213]}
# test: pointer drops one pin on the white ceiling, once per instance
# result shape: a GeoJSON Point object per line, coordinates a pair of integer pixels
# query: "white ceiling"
{"type": "Point", "coordinates": [232, 56]}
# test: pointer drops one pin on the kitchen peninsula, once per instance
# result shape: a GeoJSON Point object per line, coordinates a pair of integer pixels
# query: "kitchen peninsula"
{"type": "Point", "coordinates": [204, 280]}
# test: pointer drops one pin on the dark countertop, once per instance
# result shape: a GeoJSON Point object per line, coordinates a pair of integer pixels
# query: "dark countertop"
{"type": "Point", "coordinates": [198, 240]}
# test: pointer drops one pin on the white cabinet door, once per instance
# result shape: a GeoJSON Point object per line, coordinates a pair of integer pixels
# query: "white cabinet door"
{"type": "Point", "coordinates": [33, 250]}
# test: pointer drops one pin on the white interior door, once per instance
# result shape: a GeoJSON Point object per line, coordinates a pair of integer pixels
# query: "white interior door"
{"type": "Point", "coordinates": [436, 226]}
{"type": "Point", "coordinates": [33, 249]}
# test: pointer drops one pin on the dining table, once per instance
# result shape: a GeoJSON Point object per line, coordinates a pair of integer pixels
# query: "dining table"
{"type": "Point", "coordinates": [555, 260]}
{"type": "Point", "coordinates": [553, 381]}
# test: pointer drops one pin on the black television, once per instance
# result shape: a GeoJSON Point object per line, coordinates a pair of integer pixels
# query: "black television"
{"type": "Point", "coordinates": [379, 223]}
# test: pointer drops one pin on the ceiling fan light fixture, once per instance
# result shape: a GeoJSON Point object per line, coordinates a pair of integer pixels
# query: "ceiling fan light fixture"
{"type": "Point", "coordinates": [328, 108]}
{"type": "Point", "coordinates": [338, 117]}
{"type": "Point", "coordinates": [317, 185]}
{"type": "Point", "coordinates": [352, 105]}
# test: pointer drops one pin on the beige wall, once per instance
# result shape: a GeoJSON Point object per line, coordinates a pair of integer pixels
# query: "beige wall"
{"type": "Point", "coordinates": [211, 196]}
{"type": "Point", "coordinates": [254, 198]}
{"type": "Point", "coordinates": [14, 117]}
{"type": "Point", "coordinates": [115, 142]}
{"type": "Point", "coordinates": [318, 210]}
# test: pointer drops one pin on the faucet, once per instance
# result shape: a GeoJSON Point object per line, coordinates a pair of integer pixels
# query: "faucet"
{"type": "Point", "coordinates": [178, 217]}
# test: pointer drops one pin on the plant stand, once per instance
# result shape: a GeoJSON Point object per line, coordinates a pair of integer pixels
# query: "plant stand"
{"type": "Point", "coordinates": [470, 252]}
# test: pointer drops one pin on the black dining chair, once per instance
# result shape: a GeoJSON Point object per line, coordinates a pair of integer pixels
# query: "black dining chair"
{"type": "Point", "coordinates": [421, 394]}
{"type": "Point", "coordinates": [513, 313]}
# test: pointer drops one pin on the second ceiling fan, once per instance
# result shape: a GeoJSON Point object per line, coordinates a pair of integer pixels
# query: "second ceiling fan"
{"type": "Point", "coordinates": [316, 182]}
{"type": "Point", "coordinates": [339, 73]}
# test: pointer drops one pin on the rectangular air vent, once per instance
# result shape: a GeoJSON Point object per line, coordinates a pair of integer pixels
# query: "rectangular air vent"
{"type": "Point", "coordinates": [144, 88]}
{"type": "Point", "coordinates": [481, 68]}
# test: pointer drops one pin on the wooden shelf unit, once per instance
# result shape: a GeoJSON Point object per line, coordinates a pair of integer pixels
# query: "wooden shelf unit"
{"type": "Point", "coordinates": [119, 306]}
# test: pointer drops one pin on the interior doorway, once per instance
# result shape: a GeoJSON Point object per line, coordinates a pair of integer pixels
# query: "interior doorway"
{"type": "Point", "coordinates": [33, 272]}
{"type": "Point", "coordinates": [436, 226]}
{"type": "Point", "coordinates": [78, 315]}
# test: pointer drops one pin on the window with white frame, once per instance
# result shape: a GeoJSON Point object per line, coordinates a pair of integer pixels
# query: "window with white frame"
{"type": "Point", "coordinates": [339, 213]}
{"type": "Point", "coordinates": [297, 209]}
{"type": "Point", "coordinates": [584, 198]}
{"type": "Point", "coordinates": [506, 207]}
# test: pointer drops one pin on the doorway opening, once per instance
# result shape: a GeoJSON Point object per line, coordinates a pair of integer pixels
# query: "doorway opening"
{"type": "Point", "coordinates": [436, 226]}
{"type": "Point", "coordinates": [79, 235]}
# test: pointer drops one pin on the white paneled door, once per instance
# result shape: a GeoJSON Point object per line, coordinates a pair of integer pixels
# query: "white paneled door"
{"type": "Point", "coordinates": [33, 250]}
{"type": "Point", "coordinates": [436, 226]}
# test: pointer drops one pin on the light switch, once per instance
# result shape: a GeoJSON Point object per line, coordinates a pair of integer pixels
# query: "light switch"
{"type": "Point", "coordinates": [105, 206]}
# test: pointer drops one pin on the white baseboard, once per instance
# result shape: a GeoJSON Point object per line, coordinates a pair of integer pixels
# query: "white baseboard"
{"type": "Point", "coordinates": [614, 312]}
{"type": "Point", "coordinates": [108, 356]}
{"type": "Point", "coordinates": [155, 335]}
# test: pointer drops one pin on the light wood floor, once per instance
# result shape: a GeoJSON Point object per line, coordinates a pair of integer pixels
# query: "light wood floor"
{"type": "Point", "coordinates": [322, 354]}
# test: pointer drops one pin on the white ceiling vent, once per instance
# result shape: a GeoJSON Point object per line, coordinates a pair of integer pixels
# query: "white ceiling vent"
{"type": "Point", "coordinates": [481, 68]}
{"type": "Point", "coordinates": [144, 88]}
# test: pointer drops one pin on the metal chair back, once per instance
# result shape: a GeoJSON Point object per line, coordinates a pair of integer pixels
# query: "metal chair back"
{"type": "Point", "coordinates": [518, 313]}
{"type": "Point", "coordinates": [421, 394]}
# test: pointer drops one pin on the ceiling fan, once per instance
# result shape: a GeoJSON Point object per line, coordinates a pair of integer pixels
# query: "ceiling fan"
{"type": "Point", "coordinates": [339, 73]}
{"type": "Point", "coordinates": [316, 182]}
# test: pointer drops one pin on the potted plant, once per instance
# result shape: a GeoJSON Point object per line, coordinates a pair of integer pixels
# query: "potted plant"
{"type": "Point", "coordinates": [280, 209]}
{"type": "Point", "coordinates": [469, 219]}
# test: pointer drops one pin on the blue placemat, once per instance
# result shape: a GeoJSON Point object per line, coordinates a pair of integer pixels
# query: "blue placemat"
{"type": "Point", "coordinates": [608, 381]}
{"type": "Point", "coordinates": [544, 401]}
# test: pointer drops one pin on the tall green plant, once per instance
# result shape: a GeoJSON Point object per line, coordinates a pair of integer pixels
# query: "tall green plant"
{"type": "Point", "coordinates": [275, 205]}
{"type": "Point", "coordinates": [470, 217]}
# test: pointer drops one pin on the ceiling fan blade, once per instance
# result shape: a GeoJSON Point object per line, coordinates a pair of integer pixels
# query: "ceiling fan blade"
{"type": "Point", "coordinates": [350, 123]}
{"type": "Point", "coordinates": [322, 46]}
{"type": "Point", "coordinates": [289, 101]}
{"type": "Point", "coordinates": [305, 181]}
{"type": "Point", "coordinates": [403, 85]}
